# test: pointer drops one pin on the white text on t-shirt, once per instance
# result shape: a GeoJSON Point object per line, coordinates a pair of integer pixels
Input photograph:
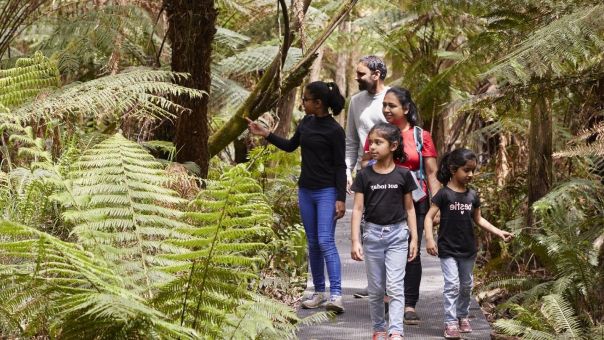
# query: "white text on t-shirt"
{"type": "Point", "coordinates": [383, 186]}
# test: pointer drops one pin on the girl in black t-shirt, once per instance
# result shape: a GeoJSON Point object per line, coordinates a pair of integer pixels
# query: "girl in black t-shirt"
{"type": "Point", "coordinates": [383, 193]}
{"type": "Point", "coordinates": [458, 206]}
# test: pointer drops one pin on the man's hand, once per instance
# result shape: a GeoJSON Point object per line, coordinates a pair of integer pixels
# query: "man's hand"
{"type": "Point", "coordinates": [340, 210]}
{"type": "Point", "coordinates": [349, 184]}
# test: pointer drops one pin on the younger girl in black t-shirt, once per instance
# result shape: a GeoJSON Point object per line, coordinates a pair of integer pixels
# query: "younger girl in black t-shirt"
{"type": "Point", "coordinates": [383, 193]}
{"type": "Point", "coordinates": [458, 206]}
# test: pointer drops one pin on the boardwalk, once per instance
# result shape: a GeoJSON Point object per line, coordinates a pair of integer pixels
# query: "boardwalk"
{"type": "Point", "coordinates": [355, 322]}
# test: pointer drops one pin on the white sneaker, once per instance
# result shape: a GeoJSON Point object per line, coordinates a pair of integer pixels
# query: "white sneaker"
{"type": "Point", "coordinates": [315, 301]}
{"type": "Point", "coordinates": [335, 304]}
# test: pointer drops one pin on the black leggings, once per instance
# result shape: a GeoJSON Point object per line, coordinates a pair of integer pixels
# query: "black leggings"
{"type": "Point", "coordinates": [413, 270]}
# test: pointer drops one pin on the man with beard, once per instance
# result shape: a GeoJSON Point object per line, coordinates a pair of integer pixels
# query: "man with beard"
{"type": "Point", "coordinates": [364, 111]}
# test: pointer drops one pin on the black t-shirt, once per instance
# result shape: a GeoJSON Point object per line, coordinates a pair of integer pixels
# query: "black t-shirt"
{"type": "Point", "coordinates": [456, 233]}
{"type": "Point", "coordinates": [383, 194]}
{"type": "Point", "coordinates": [322, 141]}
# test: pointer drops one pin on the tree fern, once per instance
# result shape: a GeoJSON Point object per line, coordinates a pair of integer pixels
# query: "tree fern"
{"type": "Point", "coordinates": [589, 142]}
{"type": "Point", "coordinates": [571, 43]}
{"type": "Point", "coordinates": [24, 81]}
{"type": "Point", "coordinates": [96, 39]}
{"type": "Point", "coordinates": [569, 233]}
{"type": "Point", "coordinates": [49, 284]}
{"type": "Point", "coordinates": [217, 283]}
{"type": "Point", "coordinates": [140, 92]}
{"type": "Point", "coordinates": [122, 211]}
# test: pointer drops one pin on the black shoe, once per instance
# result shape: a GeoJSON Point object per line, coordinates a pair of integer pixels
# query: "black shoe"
{"type": "Point", "coordinates": [411, 318]}
{"type": "Point", "coordinates": [361, 294]}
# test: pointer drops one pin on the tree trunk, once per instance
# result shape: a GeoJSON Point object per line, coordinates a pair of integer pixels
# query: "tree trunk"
{"type": "Point", "coordinates": [342, 65]}
{"type": "Point", "coordinates": [191, 32]}
{"type": "Point", "coordinates": [540, 152]}
{"type": "Point", "coordinates": [352, 85]}
{"type": "Point", "coordinates": [285, 108]}
{"type": "Point", "coordinates": [315, 69]}
{"type": "Point", "coordinates": [503, 167]}
{"type": "Point", "coordinates": [285, 113]}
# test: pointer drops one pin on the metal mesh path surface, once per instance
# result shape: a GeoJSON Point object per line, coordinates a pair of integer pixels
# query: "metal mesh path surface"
{"type": "Point", "coordinates": [355, 322]}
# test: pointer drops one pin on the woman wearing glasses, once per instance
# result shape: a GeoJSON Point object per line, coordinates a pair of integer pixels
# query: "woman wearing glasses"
{"type": "Point", "coordinates": [321, 186]}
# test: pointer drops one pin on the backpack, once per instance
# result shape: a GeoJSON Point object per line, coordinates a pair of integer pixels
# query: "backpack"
{"type": "Point", "coordinates": [419, 145]}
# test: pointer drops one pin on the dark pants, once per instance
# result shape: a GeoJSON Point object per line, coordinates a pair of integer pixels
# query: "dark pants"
{"type": "Point", "coordinates": [413, 270]}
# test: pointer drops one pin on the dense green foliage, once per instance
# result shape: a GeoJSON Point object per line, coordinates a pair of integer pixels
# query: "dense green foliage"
{"type": "Point", "coordinates": [102, 238]}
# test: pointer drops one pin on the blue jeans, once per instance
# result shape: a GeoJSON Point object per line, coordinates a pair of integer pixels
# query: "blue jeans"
{"type": "Point", "coordinates": [317, 209]}
{"type": "Point", "coordinates": [385, 251]}
{"type": "Point", "coordinates": [459, 279]}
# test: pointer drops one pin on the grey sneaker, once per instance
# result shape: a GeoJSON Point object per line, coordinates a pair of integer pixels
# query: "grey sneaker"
{"type": "Point", "coordinates": [335, 304]}
{"type": "Point", "coordinates": [315, 301]}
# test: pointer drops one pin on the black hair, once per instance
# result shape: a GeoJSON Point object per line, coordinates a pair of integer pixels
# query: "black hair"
{"type": "Point", "coordinates": [329, 94]}
{"type": "Point", "coordinates": [404, 97]}
{"type": "Point", "coordinates": [392, 134]}
{"type": "Point", "coordinates": [375, 63]}
{"type": "Point", "coordinates": [452, 161]}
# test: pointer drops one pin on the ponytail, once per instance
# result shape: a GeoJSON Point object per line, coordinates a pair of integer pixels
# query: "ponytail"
{"type": "Point", "coordinates": [329, 94]}
{"type": "Point", "coordinates": [452, 161]}
{"type": "Point", "coordinates": [444, 173]}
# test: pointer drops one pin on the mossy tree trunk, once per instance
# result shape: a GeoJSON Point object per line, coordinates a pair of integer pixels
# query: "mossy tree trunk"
{"type": "Point", "coordinates": [540, 151]}
{"type": "Point", "coordinates": [191, 32]}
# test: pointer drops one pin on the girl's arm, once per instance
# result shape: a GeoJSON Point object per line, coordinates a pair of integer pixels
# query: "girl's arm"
{"type": "Point", "coordinates": [431, 247]}
{"type": "Point", "coordinates": [287, 145]}
{"type": "Point", "coordinates": [486, 225]}
{"type": "Point", "coordinates": [412, 223]}
{"type": "Point", "coordinates": [356, 251]}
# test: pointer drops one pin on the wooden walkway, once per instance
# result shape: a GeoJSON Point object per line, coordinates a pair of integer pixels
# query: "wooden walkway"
{"type": "Point", "coordinates": [355, 322]}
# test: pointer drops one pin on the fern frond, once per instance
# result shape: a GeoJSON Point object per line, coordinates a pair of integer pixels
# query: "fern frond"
{"type": "Point", "coordinates": [121, 186]}
{"type": "Point", "coordinates": [139, 92]}
{"type": "Point", "coordinates": [227, 94]}
{"type": "Point", "coordinates": [561, 315]}
{"type": "Point", "coordinates": [515, 328]}
{"type": "Point", "coordinates": [27, 79]}
{"type": "Point", "coordinates": [231, 39]}
{"type": "Point", "coordinates": [574, 41]}
{"type": "Point", "coordinates": [255, 59]}
{"type": "Point", "coordinates": [578, 146]}
{"type": "Point", "coordinates": [234, 224]}
{"type": "Point", "coordinates": [101, 39]}
{"type": "Point", "coordinates": [263, 318]}
{"type": "Point", "coordinates": [48, 282]}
